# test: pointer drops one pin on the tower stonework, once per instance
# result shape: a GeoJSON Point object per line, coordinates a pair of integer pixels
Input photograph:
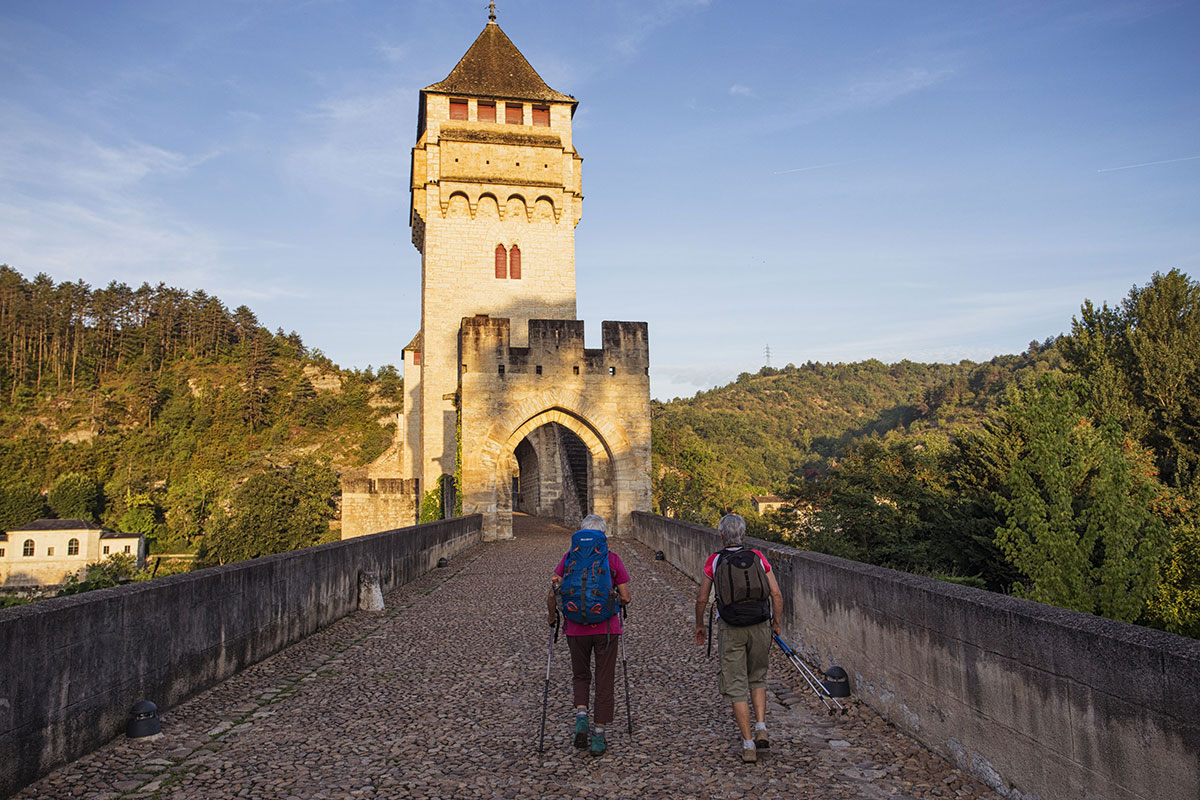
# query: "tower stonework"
{"type": "Point", "coordinates": [496, 195]}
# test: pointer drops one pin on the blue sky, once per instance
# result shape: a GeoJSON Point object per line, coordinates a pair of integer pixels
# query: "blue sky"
{"type": "Point", "coordinates": [837, 180]}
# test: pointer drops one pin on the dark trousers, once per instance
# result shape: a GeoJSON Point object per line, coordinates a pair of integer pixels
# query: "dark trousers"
{"type": "Point", "coordinates": [604, 647]}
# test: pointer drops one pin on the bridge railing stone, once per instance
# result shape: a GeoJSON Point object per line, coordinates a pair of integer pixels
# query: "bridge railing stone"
{"type": "Point", "coordinates": [1036, 701]}
{"type": "Point", "coordinates": [74, 666]}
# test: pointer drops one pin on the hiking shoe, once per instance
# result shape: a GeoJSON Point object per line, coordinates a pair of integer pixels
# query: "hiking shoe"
{"type": "Point", "coordinates": [761, 741]}
{"type": "Point", "coordinates": [598, 744]}
{"type": "Point", "coordinates": [749, 755]}
{"type": "Point", "coordinates": [581, 732]}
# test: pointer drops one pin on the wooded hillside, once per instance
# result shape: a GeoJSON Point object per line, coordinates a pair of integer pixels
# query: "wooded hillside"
{"type": "Point", "coordinates": [154, 405]}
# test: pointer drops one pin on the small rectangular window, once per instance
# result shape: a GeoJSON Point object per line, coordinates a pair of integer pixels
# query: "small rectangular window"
{"type": "Point", "coordinates": [127, 548]}
{"type": "Point", "coordinates": [416, 358]}
{"type": "Point", "coordinates": [541, 116]}
{"type": "Point", "coordinates": [612, 370]}
{"type": "Point", "coordinates": [49, 551]}
{"type": "Point", "coordinates": [514, 113]}
{"type": "Point", "coordinates": [539, 369]}
{"type": "Point", "coordinates": [576, 369]}
{"type": "Point", "coordinates": [458, 109]}
{"type": "Point", "coordinates": [105, 549]}
{"type": "Point", "coordinates": [500, 370]}
{"type": "Point", "coordinates": [486, 111]}
{"type": "Point", "coordinates": [1, 552]}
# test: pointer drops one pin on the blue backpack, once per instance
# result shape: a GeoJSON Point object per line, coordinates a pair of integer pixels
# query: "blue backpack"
{"type": "Point", "coordinates": [586, 591]}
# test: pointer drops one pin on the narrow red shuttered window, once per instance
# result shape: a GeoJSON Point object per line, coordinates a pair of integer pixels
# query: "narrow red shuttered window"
{"type": "Point", "coordinates": [501, 262]}
{"type": "Point", "coordinates": [514, 113]}
{"type": "Point", "coordinates": [514, 263]}
{"type": "Point", "coordinates": [541, 116]}
{"type": "Point", "coordinates": [486, 112]}
{"type": "Point", "coordinates": [458, 109]}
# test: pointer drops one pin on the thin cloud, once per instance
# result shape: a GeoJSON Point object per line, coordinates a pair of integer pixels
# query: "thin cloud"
{"type": "Point", "coordinates": [1149, 164]}
{"type": "Point", "coordinates": [647, 16]}
{"type": "Point", "coordinates": [738, 90]}
{"type": "Point", "coordinates": [814, 166]}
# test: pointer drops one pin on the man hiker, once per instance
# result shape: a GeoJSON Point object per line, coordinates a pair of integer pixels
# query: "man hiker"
{"type": "Point", "coordinates": [590, 582]}
{"type": "Point", "coordinates": [747, 594]}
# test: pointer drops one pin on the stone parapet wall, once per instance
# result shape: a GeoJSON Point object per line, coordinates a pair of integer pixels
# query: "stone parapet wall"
{"type": "Point", "coordinates": [74, 666]}
{"type": "Point", "coordinates": [370, 505]}
{"type": "Point", "coordinates": [1036, 701]}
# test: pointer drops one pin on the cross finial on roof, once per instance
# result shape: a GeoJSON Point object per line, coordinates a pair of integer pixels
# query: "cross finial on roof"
{"type": "Point", "coordinates": [492, 11]}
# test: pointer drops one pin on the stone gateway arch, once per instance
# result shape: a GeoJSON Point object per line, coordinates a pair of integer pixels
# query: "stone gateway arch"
{"type": "Point", "coordinates": [505, 408]}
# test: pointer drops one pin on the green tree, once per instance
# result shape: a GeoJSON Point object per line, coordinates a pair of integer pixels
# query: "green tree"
{"type": "Point", "coordinates": [273, 512]}
{"type": "Point", "coordinates": [76, 496]}
{"type": "Point", "coordinates": [20, 504]}
{"type": "Point", "coordinates": [1080, 502]}
{"type": "Point", "coordinates": [115, 569]}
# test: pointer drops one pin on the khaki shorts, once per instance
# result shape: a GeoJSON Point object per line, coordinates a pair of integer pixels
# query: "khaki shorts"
{"type": "Point", "coordinates": [745, 653]}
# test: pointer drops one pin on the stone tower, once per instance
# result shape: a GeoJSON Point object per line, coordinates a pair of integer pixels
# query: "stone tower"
{"type": "Point", "coordinates": [496, 196]}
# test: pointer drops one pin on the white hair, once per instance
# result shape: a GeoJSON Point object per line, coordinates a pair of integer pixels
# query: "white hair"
{"type": "Point", "coordinates": [593, 522]}
{"type": "Point", "coordinates": [732, 529]}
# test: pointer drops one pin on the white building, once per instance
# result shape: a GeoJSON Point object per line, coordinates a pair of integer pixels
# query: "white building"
{"type": "Point", "coordinates": [48, 551]}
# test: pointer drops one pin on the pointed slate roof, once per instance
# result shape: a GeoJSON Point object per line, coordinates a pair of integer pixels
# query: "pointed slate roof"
{"type": "Point", "coordinates": [494, 67]}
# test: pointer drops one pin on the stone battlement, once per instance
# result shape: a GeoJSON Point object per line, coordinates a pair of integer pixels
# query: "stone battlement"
{"type": "Point", "coordinates": [406, 486]}
{"type": "Point", "coordinates": [555, 346]}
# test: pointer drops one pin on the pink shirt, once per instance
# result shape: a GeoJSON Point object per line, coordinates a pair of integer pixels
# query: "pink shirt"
{"type": "Point", "coordinates": [613, 625]}
{"type": "Point", "coordinates": [708, 565]}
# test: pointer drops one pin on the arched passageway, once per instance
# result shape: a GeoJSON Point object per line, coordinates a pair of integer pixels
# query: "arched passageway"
{"type": "Point", "coordinates": [553, 480]}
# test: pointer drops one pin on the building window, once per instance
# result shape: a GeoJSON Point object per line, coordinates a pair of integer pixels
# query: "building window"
{"type": "Point", "coordinates": [416, 358]}
{"type": "Point", "coordinates": [500, 371]}
{"type": "Point", "coordinates": [576, 369]}
{"type": "Point", "coordinates": [27, 550]}
{"type": "Point", "coordinates": [105, 549]}
{"type": "Point", "coordinates": [514, 263]}
{"type": "Point", "coordinates": [127, 548]}
{"type": "Point", "coordinates": [501, 261]}
{"type": "Point", "coordinates": [539, 369]}
{"type": "Point", "coordinates": [49, 551]}
{"type": "Point", "coordinates": [514, 113]}
{"type": "Point", "coordinates": [487, 111]}
{"type": "Point", "coordinates": [458, 109]}
{"type": "Point", "coordinates": [541, 116]}
{"type": "Point", "coordinates": [1, 552]}
{"type": "Point", "coordinates": [612, 370]}
{"type": "Point", "coordinates": [73, 547]}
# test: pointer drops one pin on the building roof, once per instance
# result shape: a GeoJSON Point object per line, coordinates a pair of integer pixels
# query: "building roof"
{"type": "Point", "coordinates": [59, 525]}
{"type": "Point", "coordinates": [494, 67]}
{"type": "Point", "coordinates": [118, 535]}
{"type": "Point", "coordinates": [769, 498]}
{"type": "Point", "coordinates": [414, 345]}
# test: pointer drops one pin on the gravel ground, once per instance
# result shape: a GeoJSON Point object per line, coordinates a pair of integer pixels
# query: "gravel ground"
{"type": "Point", "coordinates": [440, 696]}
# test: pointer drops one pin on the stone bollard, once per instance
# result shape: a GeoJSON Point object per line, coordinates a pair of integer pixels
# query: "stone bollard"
{"type": "Point", "coordinates": [370, 594]}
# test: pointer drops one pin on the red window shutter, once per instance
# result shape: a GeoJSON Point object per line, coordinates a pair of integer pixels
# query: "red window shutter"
{"type": "Point", "coordinates": [514, 113]}
{"type": "Point", "coordinates": [514, 263]}
{"type": "Point", "coordinates": [416, 358]}
{"type": "Point", "coordinates": [501, 261]}
{"type": "Point", "coordinates": [541, 116]}
{"type": "Point", "coordinates": [486, 112]}
{"type": "Point", "coordinates": [458, 109]}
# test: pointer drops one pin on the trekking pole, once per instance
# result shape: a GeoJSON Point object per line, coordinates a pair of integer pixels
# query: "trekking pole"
{"type": "Point", "coordinates": [810, 677]}
{"type": "Point", "coordinates": [546, 693]}
{"type": "Point", "coordinates": [625, 669]}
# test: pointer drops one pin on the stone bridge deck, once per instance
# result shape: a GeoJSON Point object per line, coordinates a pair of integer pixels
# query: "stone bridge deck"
{"type": "Point", "coordinates": [438, 697]}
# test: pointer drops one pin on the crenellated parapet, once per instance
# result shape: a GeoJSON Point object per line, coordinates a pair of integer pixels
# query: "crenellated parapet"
{"type": "Point", "coordinates": [556, 348]}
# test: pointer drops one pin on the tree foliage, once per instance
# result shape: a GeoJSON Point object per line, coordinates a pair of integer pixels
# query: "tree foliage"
{"type": "Point", "coordinates": [275, 511]}
{"type": "Point", "coordinates": [1082, 505]}
{"type": "Point", "coordinates": [76, 496]}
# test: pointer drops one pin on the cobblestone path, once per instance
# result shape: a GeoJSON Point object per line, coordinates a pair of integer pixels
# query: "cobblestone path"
{"type": "Point", "coordinates": [440, 696]}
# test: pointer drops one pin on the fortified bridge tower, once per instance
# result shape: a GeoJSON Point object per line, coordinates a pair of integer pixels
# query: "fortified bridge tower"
{"type": "Point", "coordinates": [504, 407]}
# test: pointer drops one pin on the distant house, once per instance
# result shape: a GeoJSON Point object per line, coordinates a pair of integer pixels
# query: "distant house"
{"type": "Point", "coordinates": [769, 502]}
{"type": "Point", "coordinates": [48, 551]}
